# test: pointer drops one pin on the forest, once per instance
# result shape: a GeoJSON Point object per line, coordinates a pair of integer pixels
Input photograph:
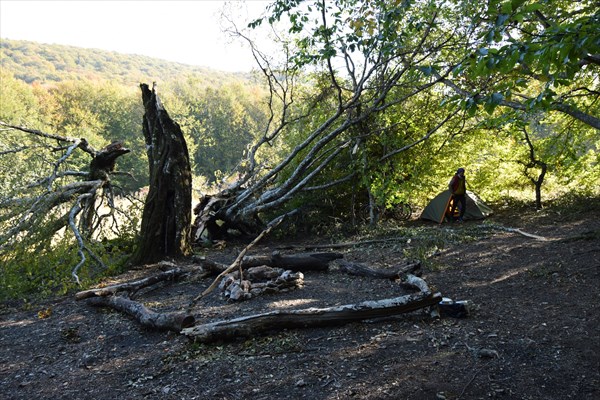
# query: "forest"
{"type": "Point", "coordinates": [171, 231]}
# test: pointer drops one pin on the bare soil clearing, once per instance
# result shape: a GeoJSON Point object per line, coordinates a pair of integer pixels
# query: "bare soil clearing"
{"type": "Point", "coordinates": [534, 331]}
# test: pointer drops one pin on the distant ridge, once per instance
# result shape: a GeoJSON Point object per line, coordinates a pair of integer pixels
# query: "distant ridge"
{"type": "Point", "coordinates": [51, 63]}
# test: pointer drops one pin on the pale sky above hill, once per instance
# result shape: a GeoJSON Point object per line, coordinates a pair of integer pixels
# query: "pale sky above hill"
{"type": "Point", "coordinates": [188, 32]}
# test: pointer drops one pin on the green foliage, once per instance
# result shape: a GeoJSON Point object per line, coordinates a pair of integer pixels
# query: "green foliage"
{"type": "Point", "coordinates": [42, 264]}
{"type": "Point", "coordinates": [220, 123]}
{"type": "Point", "coordinates": [45, 271]}
{"type": "Point", "coordinates": [500, 51]}
{"type": "Point", "coordinates": [546, 49]}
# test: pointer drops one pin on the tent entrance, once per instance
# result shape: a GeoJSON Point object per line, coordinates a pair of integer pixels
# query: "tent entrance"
{"type": "Point", "coordinates": [440, 208]}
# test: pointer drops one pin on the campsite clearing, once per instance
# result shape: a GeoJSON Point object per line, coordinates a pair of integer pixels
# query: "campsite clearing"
{"type": "Point", "coordinates": [533, 333]}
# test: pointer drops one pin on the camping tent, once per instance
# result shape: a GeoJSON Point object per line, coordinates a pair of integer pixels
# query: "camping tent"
{"type": "Point", "coordinates": [436, 209]}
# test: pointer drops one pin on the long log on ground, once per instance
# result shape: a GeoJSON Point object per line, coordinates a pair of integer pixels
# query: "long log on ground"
{"type": "Point", "coordinates": [302, 262]}
{"type": "Point", "coordinates": [296, 262]}
{"type": "Point", "coordinates": [131, 286]}
{"type": "Point", "coordinates": [341, 245]}
{"type": "Point", "coordinates": [311, 317]}
{"type": "Point", "coordinates": [174, 321]}
{"type": "Point", "coordinates": [362, 270]}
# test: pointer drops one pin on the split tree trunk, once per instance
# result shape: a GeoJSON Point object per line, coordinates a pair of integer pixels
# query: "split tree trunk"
{"type": "Point", "coordinates": [167, 217]}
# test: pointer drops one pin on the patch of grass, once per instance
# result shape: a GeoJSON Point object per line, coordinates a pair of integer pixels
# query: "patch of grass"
{"type": "Point", "coordinates": [426, 242]}
{"type": "Point", "coordinates": [280, 343]}
{"type": "Point", "coordinates": [36, 274]}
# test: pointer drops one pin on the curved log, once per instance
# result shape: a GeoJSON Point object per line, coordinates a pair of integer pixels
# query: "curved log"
{"type": "Point", "coordinates": [131, 286]}
{"type": "Point", "coordinates": [311, 317]}
{"type": "Point", "coordinates": [175, 321]}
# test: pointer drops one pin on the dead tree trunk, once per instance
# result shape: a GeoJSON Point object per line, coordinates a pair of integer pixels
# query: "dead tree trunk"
{"type": "Point", "coordinates": [166, 221]}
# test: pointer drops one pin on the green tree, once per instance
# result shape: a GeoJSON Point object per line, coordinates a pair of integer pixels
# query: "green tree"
{"type": "Point", "coordinates": [532, 55]}
{"type": "Point", "coordinates": [373, 58]}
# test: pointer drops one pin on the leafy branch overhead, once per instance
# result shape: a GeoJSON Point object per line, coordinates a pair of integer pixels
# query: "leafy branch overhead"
{"type": "Point", "coordinates": [533, 56]}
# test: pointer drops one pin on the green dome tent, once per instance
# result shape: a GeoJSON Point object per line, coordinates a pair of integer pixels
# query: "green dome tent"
{"type": "Point", "coordinates": [436, 209]}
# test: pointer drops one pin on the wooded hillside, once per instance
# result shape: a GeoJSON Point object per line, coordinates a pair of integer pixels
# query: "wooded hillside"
{"type": "Point", "coordinates": [46, 63]}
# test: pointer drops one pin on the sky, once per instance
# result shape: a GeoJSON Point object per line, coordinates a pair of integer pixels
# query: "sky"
{"type": "Point", "coordinates": [189, 32]}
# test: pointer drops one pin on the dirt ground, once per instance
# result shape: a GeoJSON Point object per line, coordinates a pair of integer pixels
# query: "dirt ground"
{"type": "Point", "coordinates": [533, 331]}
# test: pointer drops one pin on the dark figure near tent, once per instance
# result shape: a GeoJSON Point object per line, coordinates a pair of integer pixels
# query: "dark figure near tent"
{"type": "Point", "coordinates": [458, 188]}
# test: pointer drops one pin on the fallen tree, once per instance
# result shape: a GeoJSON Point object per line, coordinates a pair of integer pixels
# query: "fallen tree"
{"type": "Point", "coordinates": [332, 129]}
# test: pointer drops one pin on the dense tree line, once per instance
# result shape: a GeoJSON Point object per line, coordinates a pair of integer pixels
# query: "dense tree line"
{"type": "Point", "coordinates": [46, 63]}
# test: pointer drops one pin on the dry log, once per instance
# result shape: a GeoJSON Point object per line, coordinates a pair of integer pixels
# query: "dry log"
{"type": "Point", "coordinates": [210, 266]}
{"type": "Point", "coordinates": [132, 286]}
{"type": "Point", "coordinates": [361, 270]}
{"type": "Point", "coordinates": [295, 262]}
{"type": "Point", "coordinates": [342, 245]}
{"type": "Point", "coordinates": [174, 321]}
{"type": "Point", "coordinates": [311, 317]}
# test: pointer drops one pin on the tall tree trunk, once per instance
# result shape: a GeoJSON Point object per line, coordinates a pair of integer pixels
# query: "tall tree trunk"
{"type": "Point", "coordinates": [166, 221]}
